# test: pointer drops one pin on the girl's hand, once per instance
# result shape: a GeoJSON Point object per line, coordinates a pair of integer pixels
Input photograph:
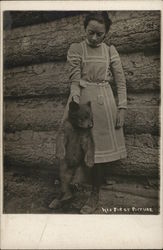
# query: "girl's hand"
{"type": "Point", "coordinates": [120, 118]}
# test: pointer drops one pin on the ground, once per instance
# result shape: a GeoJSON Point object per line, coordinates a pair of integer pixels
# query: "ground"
{"type": "Point", "coordinates": [32, 193]}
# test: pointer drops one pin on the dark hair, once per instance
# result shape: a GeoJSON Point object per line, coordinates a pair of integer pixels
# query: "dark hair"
{"type": "Point", "coordinates": [100, 16]}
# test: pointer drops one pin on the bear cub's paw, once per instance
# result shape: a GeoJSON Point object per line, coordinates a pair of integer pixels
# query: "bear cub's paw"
{"type": "Point", "coordinates": [89, 160]}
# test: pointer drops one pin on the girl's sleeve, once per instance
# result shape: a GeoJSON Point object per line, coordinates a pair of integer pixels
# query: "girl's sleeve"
{"type": "Point", "coordinates": [119, 77]}
{"type": "Point", "coordinates": [74, 62]}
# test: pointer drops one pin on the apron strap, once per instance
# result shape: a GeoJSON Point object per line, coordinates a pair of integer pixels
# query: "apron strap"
{"type": "Point", "coordinates": [107, 60]}
{"type": "Point", "coordinates": [84, 51]}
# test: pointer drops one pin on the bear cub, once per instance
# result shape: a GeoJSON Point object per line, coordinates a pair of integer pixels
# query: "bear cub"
{"type": "Point", "coordinates": [74, 147]}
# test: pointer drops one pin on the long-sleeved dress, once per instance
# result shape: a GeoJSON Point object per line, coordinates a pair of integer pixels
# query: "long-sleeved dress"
{"type": "Point", "coordinates": [90, 74]}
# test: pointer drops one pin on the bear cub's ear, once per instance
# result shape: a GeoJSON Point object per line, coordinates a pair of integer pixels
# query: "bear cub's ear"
{"type": "Point", "coordinates": [73, 106]}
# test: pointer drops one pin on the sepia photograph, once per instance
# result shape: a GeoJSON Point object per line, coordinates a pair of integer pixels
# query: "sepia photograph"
{"type": "Point", "coordinates": [81, 112]}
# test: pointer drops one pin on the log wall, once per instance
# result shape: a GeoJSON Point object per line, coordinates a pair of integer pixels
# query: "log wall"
{"type": "Point", "coordinates": [36, 85]}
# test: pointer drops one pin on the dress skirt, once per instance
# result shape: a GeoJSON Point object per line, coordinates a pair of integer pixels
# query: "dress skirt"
{"type": "Point", "coordinates": [109, 141]}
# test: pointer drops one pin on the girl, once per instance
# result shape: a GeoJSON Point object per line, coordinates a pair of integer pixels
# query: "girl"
{"type": "Point", "coordinates": [91, 64]}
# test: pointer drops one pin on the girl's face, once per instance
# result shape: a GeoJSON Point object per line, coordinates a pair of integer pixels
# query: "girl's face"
{"type": "Point", "coordinates": [95, 32]}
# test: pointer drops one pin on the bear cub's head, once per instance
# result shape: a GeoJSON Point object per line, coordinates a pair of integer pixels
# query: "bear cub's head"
{"type": "Point", "coordinates": [80, 115]}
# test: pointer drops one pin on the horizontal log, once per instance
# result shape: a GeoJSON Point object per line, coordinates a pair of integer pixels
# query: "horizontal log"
{"type": "Point", "coordinates": [42, 79]}
{"type": "Point", "coordinates": [135, 34]}
{"type": "Point", "coordinates": [46, 114]}
{"type": "Point", "coordinates": [35, 114]}
{"type": "Point", "coordinates": [142, 74]}
{"type": "Point", "coordinates": [120, 16]}
{"type": "Point", "coordinates": [13, 19]}
{"type": "Point", "coordinates": [144, 99]}
{"type": "Point", "coordinates": [141, 119]}
{"type": "Point", "coordinates": [50, 41]}
{"type": "Point", "coordinates": [29, 148]}
{"type": "Point", "coordinates": [140, 155]}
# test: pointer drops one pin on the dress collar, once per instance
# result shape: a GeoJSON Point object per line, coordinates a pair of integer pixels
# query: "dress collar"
{"type": "Point", "coordinates": [87, 42]}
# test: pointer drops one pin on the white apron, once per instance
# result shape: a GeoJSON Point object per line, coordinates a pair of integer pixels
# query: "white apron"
{"type": "Point", "coordinates": [109, 141]}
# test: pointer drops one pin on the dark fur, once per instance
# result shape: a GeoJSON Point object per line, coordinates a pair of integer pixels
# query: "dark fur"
{"type": "Point", "coordinates": [75, 147]}
{"type": "Point", "coordinates": [75, 143]}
